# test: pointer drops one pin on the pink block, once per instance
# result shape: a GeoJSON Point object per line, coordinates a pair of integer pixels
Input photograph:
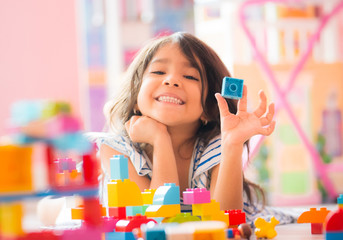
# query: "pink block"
{"type": "Point", "coordinates": [62, 124]}
{"type": "Point", "coordinates": [196, 195]}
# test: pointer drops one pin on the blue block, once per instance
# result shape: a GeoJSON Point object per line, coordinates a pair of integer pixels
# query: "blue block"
{"type": "Point", "coordinates": [23, 112]}
{"type": "Point", "coordinates": [119, 167]}
{"type": "Point", "coordinates": [119, 236]}
{"type": "Point", "coordinates": [167, 195]}
{"type": "Point", "coordinates": [155, 234]}
{"type": "Point", "coordinates": [229, 233]}
{"type": "Point", "coordinates": [232, 88]}
{"type": "Point", "coordinates": [340, 199]}
{"type": "Point", "coordinates": [334, 235]}
{"type": "Point", "coordinates": [134, 210]}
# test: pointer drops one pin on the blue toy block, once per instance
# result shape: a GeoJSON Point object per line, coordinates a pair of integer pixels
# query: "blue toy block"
{"type": "Point", "coordinates": [333, 235]}
{"type": "Point", "coordinates": [168, 194]}
{"type": "Point", "coordinates": [119, 167]}
{"type": "Point", "coordinates": [134, 210]}
{"type": "Point", "coordinates": [340, 199]}
{"type": "Point", "coordinates": [119, 236]}
{"type": "Point", "coordinates": [23, 112]}
{"type": "Point", "coordinates": [232, 88]}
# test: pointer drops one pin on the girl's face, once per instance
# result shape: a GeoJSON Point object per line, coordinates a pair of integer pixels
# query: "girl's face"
{"type": "Point", "coordinates": [171, 89]}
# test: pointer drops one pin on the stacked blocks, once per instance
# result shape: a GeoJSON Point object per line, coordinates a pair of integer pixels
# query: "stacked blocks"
{"type": "Point", "coordinates": [265, 229]}
{"type": "Point", "coordinates": [210, 211]}
{"type": "Point", "coordinates": [316, 218]}
{"type": "Point", "coordinates": [334, 225]}
{"type": "Point", "coordinates": [119, 167]}
{"type": "Point", "coordinates": [196, 196]}
{"type": "Point", "coordinates": [232, 88]}
{"type": "Point", "coordinates": [166, 202]}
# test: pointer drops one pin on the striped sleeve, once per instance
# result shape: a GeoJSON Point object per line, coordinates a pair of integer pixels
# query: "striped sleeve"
{"type": "Point", "coordinates": [204, 160]}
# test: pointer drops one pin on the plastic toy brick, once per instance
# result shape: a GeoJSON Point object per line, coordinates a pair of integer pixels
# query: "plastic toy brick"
{"type": "Point", "coordinates": [265, 229]}
{"type": "Point", "coordinates": [77, 213]}
{"type": "Point", "coordinates": [119, 236]}
{"type": "Point", "coordinates": [72, 141]}
{"type": "Point", "coordinates": [117, 212]}
{"type": "Point", "coordinates": [316, 218]}
{"type": "Point", "coordinates": [217, 216]}
{"type": "Point", "coordinates": [205, 209]}
{"type": "Point", "coordinates": [232, 88]}
{"type": "Point", "coordinates": [124, 193]}
{"type": "Point", "coordinates": [92, 211]}
{"type": "Point", "coordinates": [11, 214]}
{"type": "Point", "coordinates": [15, 170]}
{"type": "Point", "coordinates": [119, 167]}
{"type": "Point", "coordinates": [340, 201]}
{"type": "Point", "coordinates": [148, 196]}
{"type": "Point", "coordinates": [196, 196]}
{"type": "Point", "coordinates": [334, 225]}
{"type": "Point", "coordinates": [90, 166]}
{"type": "Point", "coordinates": [217, 234]}
{"type": "Point", "coordinates": [127, 225]}
{"type": "Point", "coordinates": [134, 210]}
{"type": "Point", "coordinates": [168, 194]}
{"type": "Point", "coordinates": [181, 218]}
{"type": "Point", "coordinates": [236, 217]}
{"type": "Point", "coordinates": [170, 210]}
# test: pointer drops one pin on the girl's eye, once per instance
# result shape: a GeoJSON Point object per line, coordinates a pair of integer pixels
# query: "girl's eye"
{"type": "Point", "coordinates": [158, 72]}
{"type": "Point", "coordinates": [191, 77]}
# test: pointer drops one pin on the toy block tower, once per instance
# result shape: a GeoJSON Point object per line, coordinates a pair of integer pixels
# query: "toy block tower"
{"type": "Point", "coordinates": [166, 202]}
{"type": "Point", "coordinates": [123, 194]}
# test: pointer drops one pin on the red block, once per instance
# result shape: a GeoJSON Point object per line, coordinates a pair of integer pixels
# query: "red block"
{"type": "Point", "coordinates": [117, 212]}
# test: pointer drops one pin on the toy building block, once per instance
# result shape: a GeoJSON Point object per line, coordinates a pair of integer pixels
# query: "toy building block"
{"type": "Point", "coordinates": [205, 209]}
{"type": "Point", "coordinates": [92, 211]}
{"type": "Point", "coordinates": [134, 210]}
{"type": "Point", "coordinates": [169, 194]}
{"type": "Point", "coordinates": [90, 170]}
{"type": "Point", "coordinates": [181, 218]}
{"type": "Point", "coordinates": [127, 225]}
{"type": "Point", "coordinates": [16, 169]}
{"type": "Point", "coordinates": [119, 167]}
{"type": "Point", "coordinates": [334, 225]}
{"type": "Point", "coordinates": [157, 211]}
{"type": "Point", "coordinates": [217, 216]}
{"type": "Point", "coordinates": [236, 217]}
{"type": "Point", "coordinates": [218, 234]}
{"type": "Point", "coordinates": [77, 213]}
{"type": "Point", "coordinates": [117, 212]}
{"type": "Point", "coordinates": [316, 218]}
{"type": "Point", "coordinates": [148, 196]}
{"type": "Point", "coordinates": [340, 201]}
{"type": "Point", "coordinates": [265, 229]}
{"type": "Point", "coordinates": [119, 236]}
{"type": "Point", "coordinates": [10, 220]}
{"type": "Point", "coordinates": [123, 193]}
{"type": "Point", "coordinates": [196, 196]}
{"type": "Point", "coordinates": [232, 88]}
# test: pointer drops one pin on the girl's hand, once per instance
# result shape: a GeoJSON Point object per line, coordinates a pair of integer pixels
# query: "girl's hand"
{"type": "Point", "coordinates": [240, 127]}
{"type": "Point", "coordinates": [144, 129]}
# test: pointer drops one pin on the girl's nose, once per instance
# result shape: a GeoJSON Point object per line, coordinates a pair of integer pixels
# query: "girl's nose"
{"type": "Point", "coordinates": [171, 81]}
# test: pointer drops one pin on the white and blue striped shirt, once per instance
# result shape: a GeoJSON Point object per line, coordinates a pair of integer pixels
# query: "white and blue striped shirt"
{"type": "Point", "coordinates": [204, 158]}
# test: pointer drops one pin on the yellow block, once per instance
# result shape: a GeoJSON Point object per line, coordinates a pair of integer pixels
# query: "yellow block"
{"type": "Point", "coordinates": [10, 219]}
{"type": "Point", "coordinates": [163, 210]}
{"type": "Point", "coordinates": [214, 234]}
{"type": "Point", "coordinates": [217, 216]}
{"type": "Point", "coordinates": [15, 170]}
{"type": "Point", "coordinates": [148, 196]}
{"type": "Point", "coordinates": [206, 209]}
{"type": "Point", "coordinates": [124, 193]}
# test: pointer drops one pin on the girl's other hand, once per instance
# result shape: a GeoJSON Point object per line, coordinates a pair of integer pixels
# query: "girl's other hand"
{"type": "Point", "coordinates": [240, 127]}
{"type": "Point", "coordinates": [144, 129]}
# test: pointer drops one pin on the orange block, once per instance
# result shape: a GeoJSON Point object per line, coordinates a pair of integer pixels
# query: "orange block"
{"type": "Point", "coordinates": [15, 171]}
{"type": "Point", "coordinates": [313, 216]}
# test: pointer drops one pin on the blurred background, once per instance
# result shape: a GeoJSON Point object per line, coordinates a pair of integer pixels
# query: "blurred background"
{"type": "Point", "coordinates": [78, 50]}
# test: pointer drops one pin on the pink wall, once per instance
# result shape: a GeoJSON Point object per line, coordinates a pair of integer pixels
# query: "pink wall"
{"type": "Point", "coordinates": [38, 53]}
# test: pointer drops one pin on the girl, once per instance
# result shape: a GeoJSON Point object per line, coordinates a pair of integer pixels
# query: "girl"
{"type": "Point", "coordinates": [174, 126]}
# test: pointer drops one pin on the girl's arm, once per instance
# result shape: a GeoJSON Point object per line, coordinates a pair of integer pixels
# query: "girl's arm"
{"type": "Point", "coordinates": [227, 177]}
{"type": "Point", "coordinates": [144, 129]}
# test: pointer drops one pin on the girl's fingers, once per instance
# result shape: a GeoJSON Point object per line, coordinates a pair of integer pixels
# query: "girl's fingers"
{"type": "Point", "coordinates": [222, 104]}
{"type": "Point", "coordinates": [243, 102]}
{"type": "Point", "coordinates": [262, 105]}
{"type": "Point", "coordinates": [268, 130]}
{"type": "Point", "coordinates": [269, 117]}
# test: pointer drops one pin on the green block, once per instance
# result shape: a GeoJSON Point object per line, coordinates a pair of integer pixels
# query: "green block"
{"type": "Point", "coordinates": [294, 183]}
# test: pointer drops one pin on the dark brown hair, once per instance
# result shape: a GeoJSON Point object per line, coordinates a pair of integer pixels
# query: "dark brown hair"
{"type": "Point", "coordinates": [212, 70]}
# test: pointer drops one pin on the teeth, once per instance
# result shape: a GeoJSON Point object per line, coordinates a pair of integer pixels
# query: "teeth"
{"type": "Point", "coordinates": [169, 99]}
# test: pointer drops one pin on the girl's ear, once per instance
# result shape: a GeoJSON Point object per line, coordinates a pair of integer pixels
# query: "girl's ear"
{"type": "Point", "coordinates": [203, 119]}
